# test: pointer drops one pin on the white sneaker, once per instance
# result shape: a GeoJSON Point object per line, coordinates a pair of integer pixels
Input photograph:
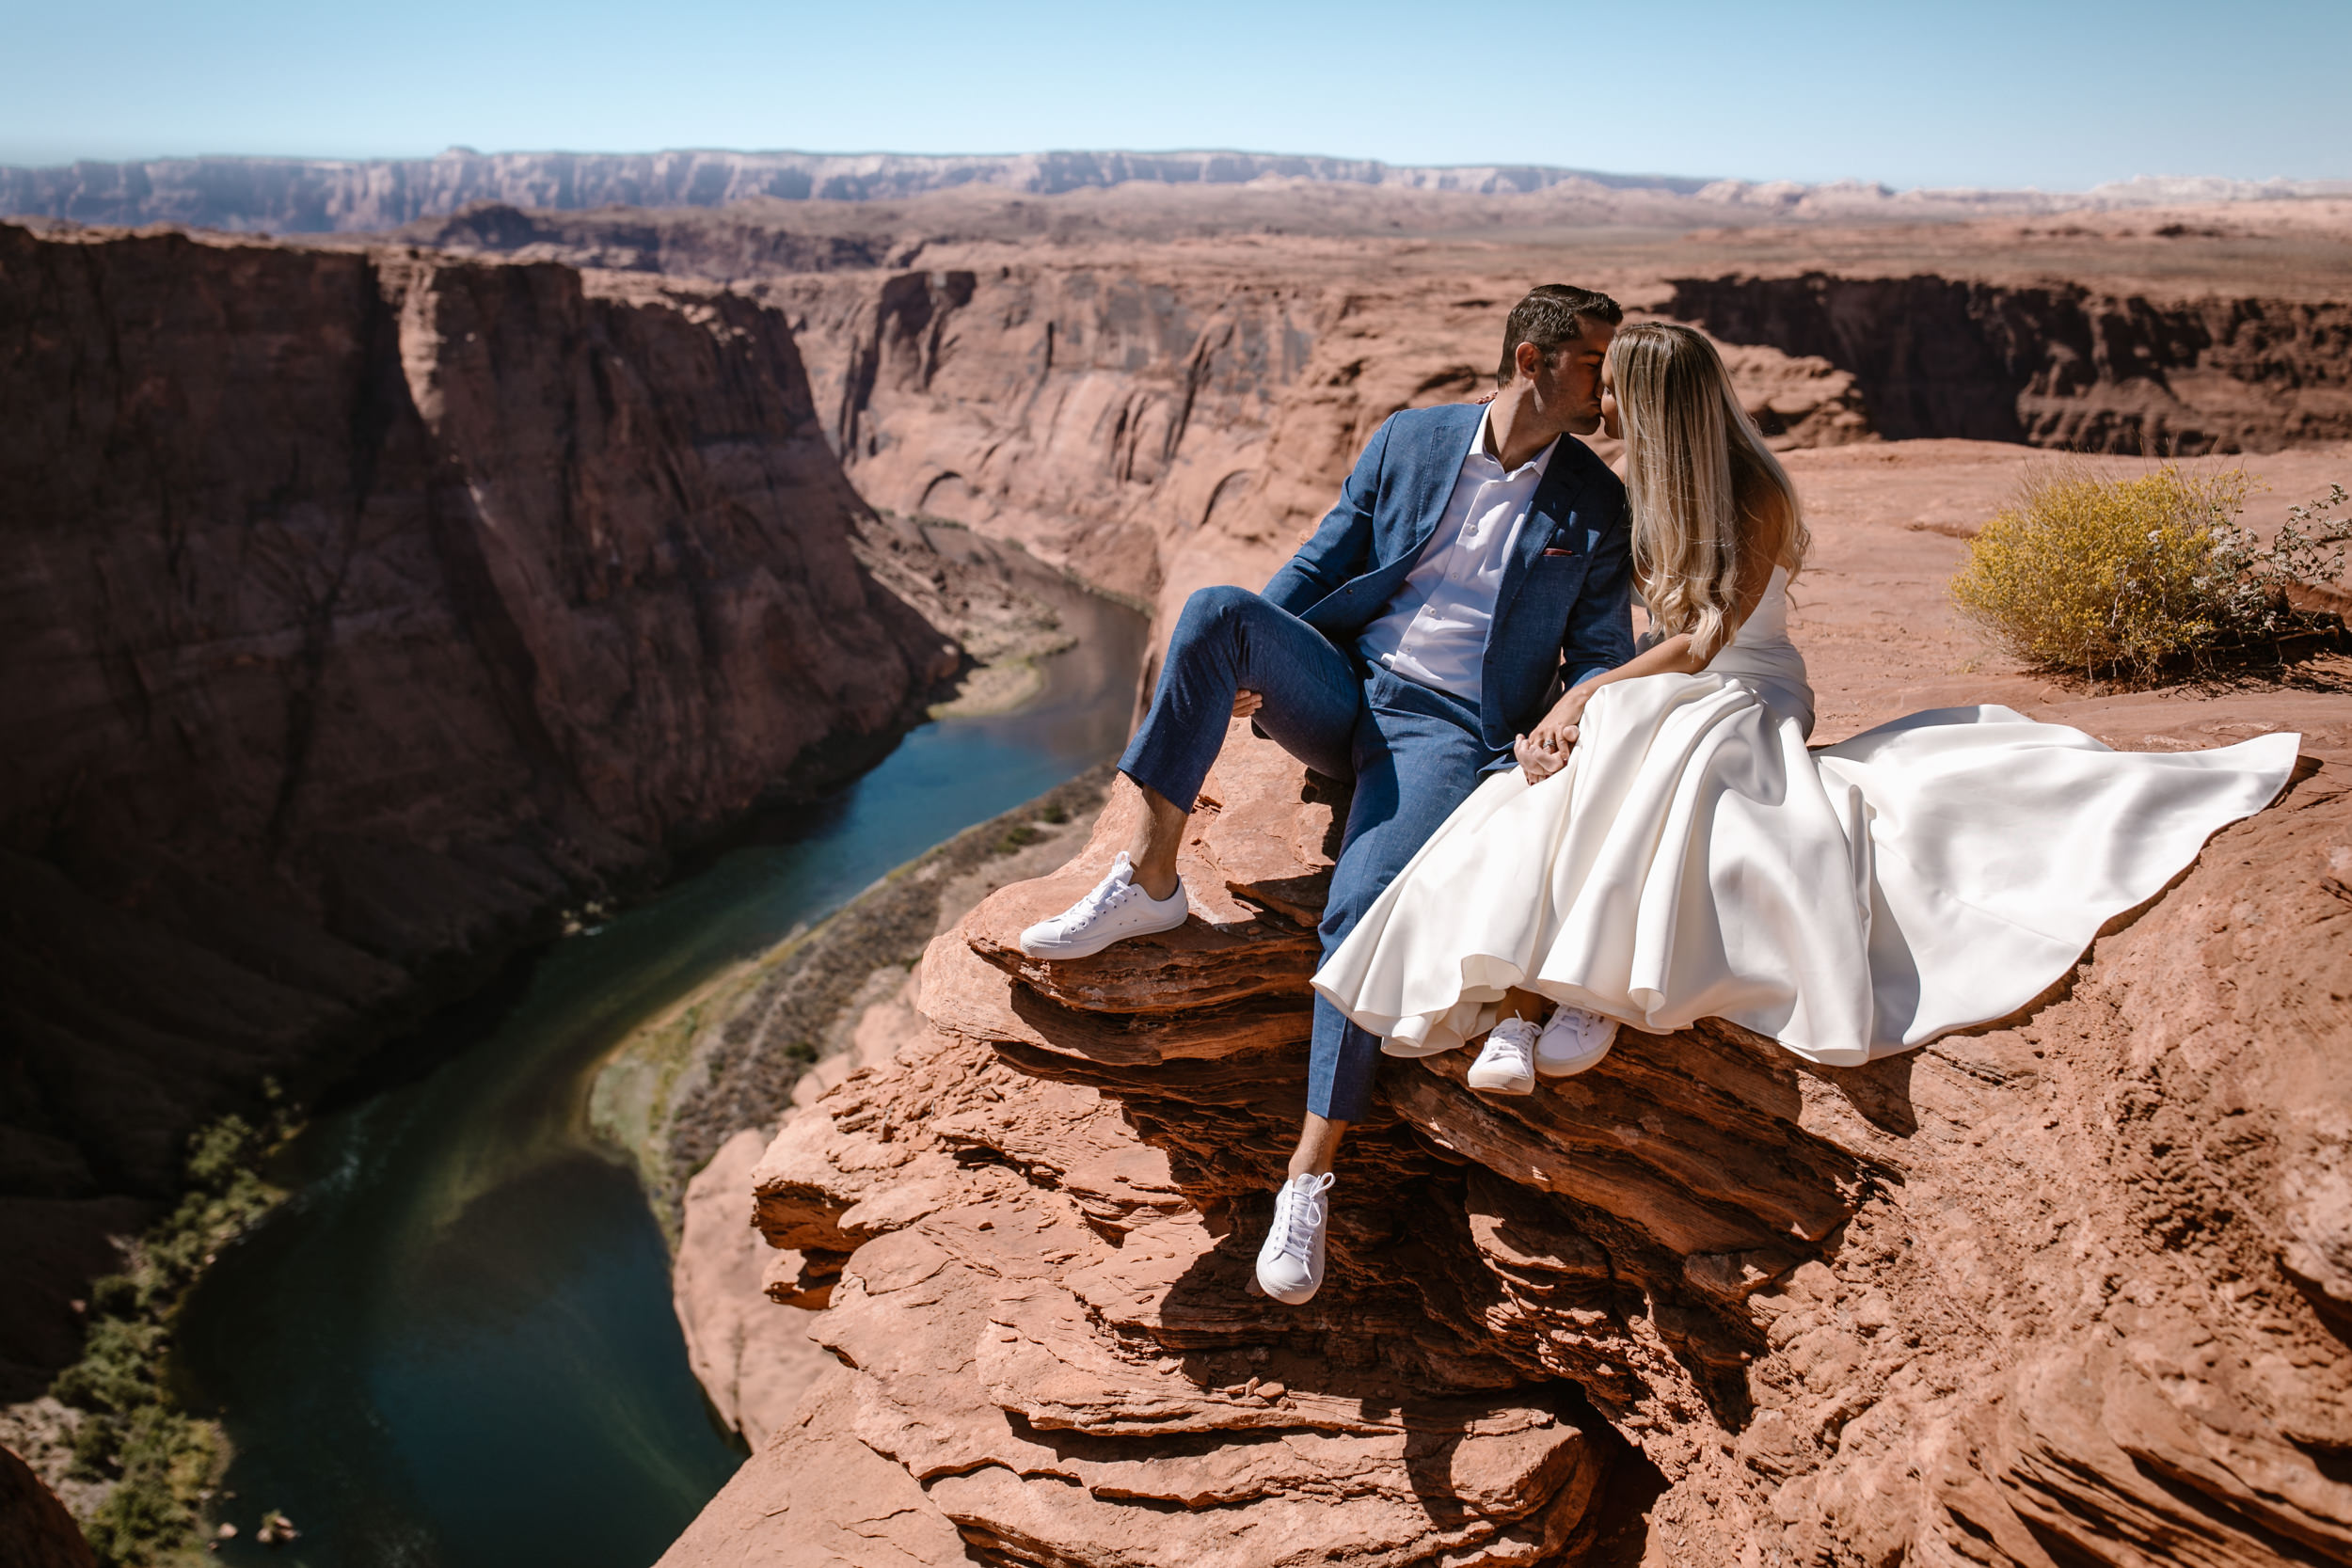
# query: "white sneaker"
{"type": "Point", "coordinates": [1573, 1040]}
{"type": "Point", "coordinates": [1116, 910]}
{"type": "Point", "coordinates": [1507, 1065]}
{"type": "Point", "coordinates": [1290, 1264]}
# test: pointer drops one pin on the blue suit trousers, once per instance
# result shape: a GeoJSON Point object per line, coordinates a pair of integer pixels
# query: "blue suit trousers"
{"type": "Point", "coordinates": [1414, 753]}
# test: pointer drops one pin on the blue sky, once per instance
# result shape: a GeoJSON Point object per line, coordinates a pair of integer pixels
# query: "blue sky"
{"type": "Point", "coordinates": [2052, 94]}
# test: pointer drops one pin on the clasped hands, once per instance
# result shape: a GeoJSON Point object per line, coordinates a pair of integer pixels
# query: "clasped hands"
{"type": "Point", "coordinates": [1541, 753]}
{"type": "Point", "coordinates": [1544, 750]}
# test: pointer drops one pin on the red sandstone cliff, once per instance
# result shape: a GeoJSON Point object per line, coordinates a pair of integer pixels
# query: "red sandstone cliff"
{"type": "Point", "coordinates": [1161, 427]}
{"type": "Point", "coordinates": [2071, 1290]}
{"type": "Point", "coordinates": [2067, 1292]}
{"type": "Point", "coordinates": [359, 608]}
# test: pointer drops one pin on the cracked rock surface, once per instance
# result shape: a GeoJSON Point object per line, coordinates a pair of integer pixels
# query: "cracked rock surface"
{"type": "Point", "coordinates": [2068, 1290]}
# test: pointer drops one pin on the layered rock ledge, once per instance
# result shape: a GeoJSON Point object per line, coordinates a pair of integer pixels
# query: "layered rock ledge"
{"type": "Point", "coordinates": [2073, 1289]}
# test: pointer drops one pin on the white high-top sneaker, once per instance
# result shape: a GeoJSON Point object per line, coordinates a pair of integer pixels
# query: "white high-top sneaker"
{"type": "Point", "coordinates": [1117, 908]}
{"type": "Point", "coordinates": [1572, 1041]}
{"type": "Point", "coordinates": [1290, 1264]}
{"type": "Point", "coordinates": [1507, 1065]}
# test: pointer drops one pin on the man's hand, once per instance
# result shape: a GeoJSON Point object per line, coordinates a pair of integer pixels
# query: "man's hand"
{"type": "Point", "coordinates": [1246, 703]}
{"type": "Point", "coordinates": [1543, 751]}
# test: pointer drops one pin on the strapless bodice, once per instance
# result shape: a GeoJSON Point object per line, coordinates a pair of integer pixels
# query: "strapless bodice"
{"type": "Point", "coordinates": [1768, 627]}
{"type": "Point", "coordinates": [1762, 656]}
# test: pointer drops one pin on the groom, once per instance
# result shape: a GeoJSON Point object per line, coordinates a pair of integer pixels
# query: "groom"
{"type": "Point", "coordinates": [1475, 559]}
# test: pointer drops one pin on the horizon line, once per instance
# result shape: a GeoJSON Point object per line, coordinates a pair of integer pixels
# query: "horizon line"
{"type": "Point", "coordinates": [459, 150]}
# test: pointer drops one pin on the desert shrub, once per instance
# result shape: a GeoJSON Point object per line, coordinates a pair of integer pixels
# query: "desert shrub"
{"type": "Point", "coordinates": [1019, 835]}
{"type": "Point", "coordinates": [116, 1373]}
{"type": "Point", "coordinates": [153, 1514]}
{"type": "Point", "coordinates": [2134, 574]}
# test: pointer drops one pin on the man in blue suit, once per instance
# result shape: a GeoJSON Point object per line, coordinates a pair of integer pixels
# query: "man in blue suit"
{"type": "Point", "coordinates": [1477, 557]}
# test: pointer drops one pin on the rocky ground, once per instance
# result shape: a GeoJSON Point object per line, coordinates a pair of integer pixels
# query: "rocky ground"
{"type": "Point", "coordinates": [2067, 1290]}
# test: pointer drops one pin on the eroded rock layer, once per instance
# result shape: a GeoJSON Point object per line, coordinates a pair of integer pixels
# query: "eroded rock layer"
{"type": "Point", "coordinates": [2065, 1290]}
{"type": "Point", "coordinates": [359, 608]}
{"type": "Point", "coordinates": [2055, 364]}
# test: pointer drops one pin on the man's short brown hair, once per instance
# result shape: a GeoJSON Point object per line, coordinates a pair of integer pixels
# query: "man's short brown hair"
{"type": "Point", "coordinates": [1550, 315]}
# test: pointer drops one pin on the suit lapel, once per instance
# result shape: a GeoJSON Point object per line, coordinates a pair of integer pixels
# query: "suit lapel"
{"type": "Point", "coordinates": [1441, 468]}
{"type": "Point", "coordinates": [1555, 499]}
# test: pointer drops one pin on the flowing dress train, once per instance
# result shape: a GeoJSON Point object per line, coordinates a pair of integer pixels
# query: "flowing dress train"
{"type": "Point", "coordinates": [1693, 860]}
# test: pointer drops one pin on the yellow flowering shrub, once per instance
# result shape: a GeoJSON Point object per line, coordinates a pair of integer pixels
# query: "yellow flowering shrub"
{"type": "Point", "coordinates": [2092, 574]}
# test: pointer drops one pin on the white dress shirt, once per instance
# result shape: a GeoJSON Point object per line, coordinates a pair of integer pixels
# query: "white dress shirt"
{"type": "Point", "coordinates": [1435, 631]}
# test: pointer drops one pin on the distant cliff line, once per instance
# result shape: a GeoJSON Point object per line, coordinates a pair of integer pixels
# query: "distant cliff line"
{"type": "Point", "coordinates": [326, 196]}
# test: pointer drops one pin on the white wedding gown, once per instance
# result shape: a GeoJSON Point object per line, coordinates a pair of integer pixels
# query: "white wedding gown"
{"type": "Point", "coordinates": [1693, 860]}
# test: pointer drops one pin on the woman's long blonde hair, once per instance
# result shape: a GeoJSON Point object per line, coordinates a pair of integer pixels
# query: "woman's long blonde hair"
{"type": "Point", "coordinates": [1697, 474]}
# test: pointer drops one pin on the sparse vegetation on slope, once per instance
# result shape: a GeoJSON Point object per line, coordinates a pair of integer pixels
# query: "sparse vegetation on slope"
{"type": "Point", "coordinates": [163, 1462]}
{"type": "Point", "coordinates": [727, 1056]}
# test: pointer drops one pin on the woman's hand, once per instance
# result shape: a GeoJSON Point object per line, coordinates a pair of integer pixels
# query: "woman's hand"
{"type": "Point", "coordinates": [1246, 703]}
{"type": "Point", "coordinates": [1543, 751]}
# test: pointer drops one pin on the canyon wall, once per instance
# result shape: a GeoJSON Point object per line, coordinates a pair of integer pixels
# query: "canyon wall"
{"type": "Point", "coordinates": [2055, 364]}
{"type": "Point", "coordinates": [1081, 392]}
{"type": "Point", "coordinates": [1155, 427]}
{"type": "Point", "coordinates": [1102, 415]}
{"type": "Point", "coordinates": [360, 608]}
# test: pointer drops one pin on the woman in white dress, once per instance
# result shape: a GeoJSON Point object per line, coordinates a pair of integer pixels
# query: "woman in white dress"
{"type": "Point", "coordinates": [1669, 851]}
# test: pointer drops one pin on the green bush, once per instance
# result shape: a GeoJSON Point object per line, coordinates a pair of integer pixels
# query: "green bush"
{"type": "Point", "coordinates": [2134, 576]}
{"type": "Point", "coordinates": [155, 1513]}
{"type": "Point", "coordinates": [1019, 835]}
{"type": "Point", "coordinates": [116, 1371]}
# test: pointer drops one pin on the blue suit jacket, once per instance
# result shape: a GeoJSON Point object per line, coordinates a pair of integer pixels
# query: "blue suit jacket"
{"type": "Point", "coordinates": [1565, 604]}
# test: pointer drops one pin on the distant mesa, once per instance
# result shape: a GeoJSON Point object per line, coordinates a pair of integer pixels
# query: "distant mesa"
{"type": "Point", "coordinates": [328, 195]}
{"type": "Point", "coordinates": [310, 195]}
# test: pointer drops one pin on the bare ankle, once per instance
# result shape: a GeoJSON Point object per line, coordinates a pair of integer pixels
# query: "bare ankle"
{"type": "Point", "coordinates": [1157, 839]}
{"type": "Point", "coordinates": [1318, 1146]}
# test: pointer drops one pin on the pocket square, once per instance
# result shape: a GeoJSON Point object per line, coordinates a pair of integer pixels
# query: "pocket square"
{"type": "Point", "coordinates": [1554, 549]}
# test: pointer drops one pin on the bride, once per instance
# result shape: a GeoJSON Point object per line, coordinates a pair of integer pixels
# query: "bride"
{"type": "Point", "coordinates": [1669, 849]}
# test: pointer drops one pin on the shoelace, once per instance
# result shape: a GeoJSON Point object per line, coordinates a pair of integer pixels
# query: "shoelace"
{"type": "Point", "coordinates": [1108, 895]}
{"type": "Point", "coordinates": [1575, 1025]}
{"type": "Point", "coordinates": [1518, 1046]}
{"type": "Point", "coordinates": [1302, 1214]}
